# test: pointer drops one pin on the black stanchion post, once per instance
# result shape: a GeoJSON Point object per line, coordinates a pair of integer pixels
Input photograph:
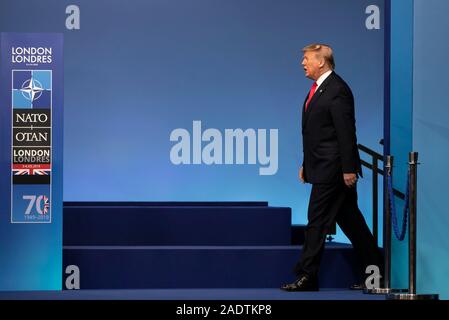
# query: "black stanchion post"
{"type": "Point", "coordinates": [411, 295]}
{"type": "Point", "coordinates": [387, 224]}
{"type": "Point", "coordinates": [413, 163]}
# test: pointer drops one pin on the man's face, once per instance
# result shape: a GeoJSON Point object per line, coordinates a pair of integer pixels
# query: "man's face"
{"type": "Point", "coordinates": [311, 65]}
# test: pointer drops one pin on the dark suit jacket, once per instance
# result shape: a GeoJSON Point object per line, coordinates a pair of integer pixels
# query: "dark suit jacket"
{"type": "Point", "coordinates": [329, 133]}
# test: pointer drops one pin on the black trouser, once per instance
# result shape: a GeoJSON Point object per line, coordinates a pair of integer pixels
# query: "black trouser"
{"type": "Point", "coordinates": [329, 203]}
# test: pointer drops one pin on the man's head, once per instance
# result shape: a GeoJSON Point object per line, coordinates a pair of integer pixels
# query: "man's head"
{"type": "Point", "coordinates": [317, 59]}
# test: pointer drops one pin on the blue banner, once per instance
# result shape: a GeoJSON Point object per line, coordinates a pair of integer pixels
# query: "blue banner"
{"type": "Point", "coordinates": [31, 150]}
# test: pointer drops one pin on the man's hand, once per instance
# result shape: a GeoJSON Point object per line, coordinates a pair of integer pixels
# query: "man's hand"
{"type": "Point", "coordinates": [350, 179]}
{"type": "Point", "coordinates": [301, 175]}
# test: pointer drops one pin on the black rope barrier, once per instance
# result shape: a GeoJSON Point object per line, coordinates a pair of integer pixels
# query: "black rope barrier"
{"type": "Point", "coordinates": [400, 234]}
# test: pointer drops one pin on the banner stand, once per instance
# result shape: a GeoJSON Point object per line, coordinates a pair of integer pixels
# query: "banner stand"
{"type": "Point", "coordinates": [31, 152]}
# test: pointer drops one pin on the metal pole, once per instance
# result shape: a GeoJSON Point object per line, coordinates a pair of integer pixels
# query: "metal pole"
{"type": "Point", "coordinates": [375, 201]}
{"type": "Point", "coordinates": [387, 223]}
{"type": "Point", "coordinates": [411, 295]}
{"type": "Point", "coordinates": [413, 162]}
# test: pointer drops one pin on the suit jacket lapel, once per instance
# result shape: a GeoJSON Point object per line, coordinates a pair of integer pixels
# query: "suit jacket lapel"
{"type": "Point", "coordinates": [315, 97]}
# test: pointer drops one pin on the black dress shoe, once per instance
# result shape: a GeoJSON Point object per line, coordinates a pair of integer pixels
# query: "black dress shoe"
{"type": "Point", "coordinates": [362, 286]}
{"type": "Point", "coordinates": [303, 283]}
{"type": "Point", "coordinates": [358, 286]}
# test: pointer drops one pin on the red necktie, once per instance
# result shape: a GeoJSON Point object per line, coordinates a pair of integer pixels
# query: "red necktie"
{"type": "Point", "coordinates": [311, 93]}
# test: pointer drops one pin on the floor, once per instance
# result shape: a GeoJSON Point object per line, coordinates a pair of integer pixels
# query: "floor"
{"type": "Point", "coordinates": [189, 294]}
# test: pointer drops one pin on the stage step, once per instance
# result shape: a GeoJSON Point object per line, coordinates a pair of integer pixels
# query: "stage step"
{"type": "Point", "coordinates": [125, 224]}
{"type": "Point", "coordinates": [298, 234]}
{"type": "Point", "coordinates": [166, 203]}
{"type": "Point", "coordinates": [146, 267]}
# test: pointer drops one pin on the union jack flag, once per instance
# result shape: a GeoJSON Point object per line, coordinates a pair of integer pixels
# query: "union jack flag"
{"type": "Point", "coordinates": [46, 205]}
{"type": "Point", "coordinates": [31, 169]}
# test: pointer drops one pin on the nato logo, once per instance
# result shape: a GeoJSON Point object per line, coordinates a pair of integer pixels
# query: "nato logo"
{"type": "Point", "coordinates": [31, 89]}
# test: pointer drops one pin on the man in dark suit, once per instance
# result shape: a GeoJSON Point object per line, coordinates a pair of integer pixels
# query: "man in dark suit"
{"type": "Point", "coordinates": [332, 165]}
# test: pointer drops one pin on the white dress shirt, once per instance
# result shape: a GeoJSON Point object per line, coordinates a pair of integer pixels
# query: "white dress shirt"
{"type": "Point", "coordinates": [322, 78]}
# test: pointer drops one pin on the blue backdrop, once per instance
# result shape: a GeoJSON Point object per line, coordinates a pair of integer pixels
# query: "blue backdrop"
{"type": "Point", "coordinates": [135, 71]}
{"type": "Point", "coordinates": [419, 116]}
{"type": "Point", "coordinates": [431, 139]}
{"type": "Point", "coordinates": [401, 121]}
